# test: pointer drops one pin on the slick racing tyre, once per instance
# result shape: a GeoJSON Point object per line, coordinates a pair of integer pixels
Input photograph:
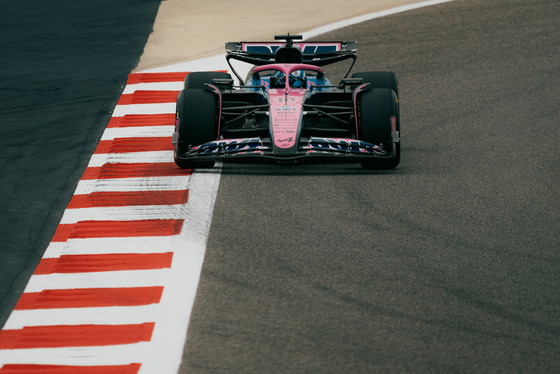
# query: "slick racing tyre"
{"type": "Point", "coordinates": [197, 124]}
{"type": "Point", "coordinates": [376, 108]}
{"type": "Point", "coordinates": [199, 79]}
{"type": "Point", "coordinates": [379, 79]}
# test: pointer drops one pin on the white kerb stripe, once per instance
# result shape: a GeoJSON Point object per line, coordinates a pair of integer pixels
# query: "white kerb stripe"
{"type": "Point", "coordinates": [155, 86]}
{"type": "Point", "coordinates": [171, 183]}
{"type": "Point", "coordinates": [103, 246]}
{"type": "Point", "coordinates": [124, 315]}
{"type": "Point", "coordinates": [81, 356]}
{"type": "Point", "coordinates": [124, 213]}
{"type": "Point", "coordinates": [107, 279]}
{"type": "Point", "coordinates": [163, 108]}
{"type": "Point", "coordinates": [99, 159]}
{"type": "Point", "coordinates": [137, 132]}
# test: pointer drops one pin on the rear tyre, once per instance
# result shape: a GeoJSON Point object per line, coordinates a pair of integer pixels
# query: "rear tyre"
{"type": "Point", "coordinates": [199, 79]}
{"type": "Point", "coordinates": [376, 109]}
{"type": "Point", "coordinates": [379, 79]}
{"type": "Point", "coordinates": [197, 124]}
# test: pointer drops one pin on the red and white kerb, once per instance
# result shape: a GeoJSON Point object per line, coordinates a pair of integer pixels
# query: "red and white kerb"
{"type": "Point", "coordinates": [114, 289]}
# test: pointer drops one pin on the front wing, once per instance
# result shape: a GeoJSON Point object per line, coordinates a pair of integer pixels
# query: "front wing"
{"type": "Point", "coordinates": [313, 147]}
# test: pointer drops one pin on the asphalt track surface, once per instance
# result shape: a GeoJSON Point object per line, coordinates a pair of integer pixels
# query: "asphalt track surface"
{"type": "Point", "coordinates": [63, 65]}
{"type": "Point", "coordinates": [449, 263]}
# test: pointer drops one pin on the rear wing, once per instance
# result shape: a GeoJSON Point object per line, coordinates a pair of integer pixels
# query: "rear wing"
{"type": "Point", "coordinates": [321, 53]}
{"type": "Point", "coordinates": [313, 53]}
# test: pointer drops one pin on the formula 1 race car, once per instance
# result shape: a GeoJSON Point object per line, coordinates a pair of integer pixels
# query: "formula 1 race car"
{"type": "Point", "coordinates": [288, 110]}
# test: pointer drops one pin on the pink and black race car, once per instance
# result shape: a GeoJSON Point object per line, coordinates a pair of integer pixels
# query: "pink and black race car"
{"type": "Point", "coordinates": [288, 110]}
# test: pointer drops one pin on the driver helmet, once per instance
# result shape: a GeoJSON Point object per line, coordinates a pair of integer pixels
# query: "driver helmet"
{"type": "Point", "coordinates": [298, 79]}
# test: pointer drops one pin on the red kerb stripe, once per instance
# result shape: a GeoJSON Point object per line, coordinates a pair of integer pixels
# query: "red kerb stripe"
{"type": "Point", "coordinates": [89, 298]}
{"type": "Point", "coordinates": [104, 262]}
{"type": "Point", "coordinates": [148, 97]}
{"type": "Point", "coordinates": [138, 120]}
{"type": "Point", "coordinates": [75, 336]}
{"type": "Point", "coordinates": [109, 171]}
{"type": "Point", "coordinates": [60, 369]}
{"type": "Point", "coordinates": [156, 77]}
{"type": "Point", "coordinates": [126, 145]}
{"type": "Point", "coordinates": [133, 198]}
{"type": "Point", "coordinates": [116, 229]}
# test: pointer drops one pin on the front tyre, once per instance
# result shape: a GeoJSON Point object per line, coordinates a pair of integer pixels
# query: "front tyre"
{"type": "Point", "coordinates": [199, 79]}
{"type": "Point", "coordinates": [379, 79]}
{"type": "Point", "coordinates": [197, 124]}
{"type": "Point", "coordinates": [378, 110]}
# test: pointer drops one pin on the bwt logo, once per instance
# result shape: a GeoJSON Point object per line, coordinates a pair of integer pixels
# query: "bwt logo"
{"type": "Point", "coordinates": [285, 108]}
{"type": "Point", "coordinates": [228, 146]}
{"type": "Point", "coordinates": [343, 145]}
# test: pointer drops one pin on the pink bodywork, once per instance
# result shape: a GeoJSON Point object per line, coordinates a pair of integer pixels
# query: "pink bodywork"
{"type": "Point", "coordinates": [286, 105]}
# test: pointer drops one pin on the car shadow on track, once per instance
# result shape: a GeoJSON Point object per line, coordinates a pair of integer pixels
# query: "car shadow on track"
{"type": "Point", "coordinates": [297, 169]}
